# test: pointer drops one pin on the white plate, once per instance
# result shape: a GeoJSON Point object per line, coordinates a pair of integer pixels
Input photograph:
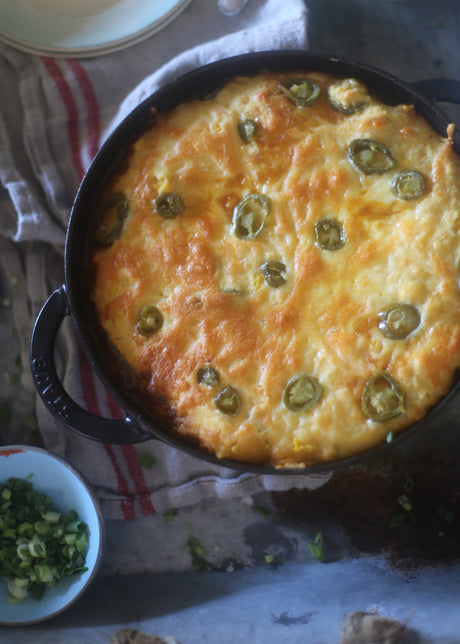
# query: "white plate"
{"type": "Point", "coordinates": [78, 28]}
{"type": "Point", "coordinates": [56, 478]}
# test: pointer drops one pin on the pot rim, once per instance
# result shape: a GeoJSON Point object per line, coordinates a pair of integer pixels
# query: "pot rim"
{"type": "Point", "coordinates": [139, 119]}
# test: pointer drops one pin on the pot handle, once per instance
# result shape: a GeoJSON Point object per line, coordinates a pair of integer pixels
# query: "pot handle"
{"type": "Point", "coordinates": [53, 394]}
{"type": "Point", "coordinates": [443, 90]}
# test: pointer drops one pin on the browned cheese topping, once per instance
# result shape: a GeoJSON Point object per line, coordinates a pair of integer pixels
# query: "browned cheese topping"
{"type": "Point", "coordinates": [280, 264]}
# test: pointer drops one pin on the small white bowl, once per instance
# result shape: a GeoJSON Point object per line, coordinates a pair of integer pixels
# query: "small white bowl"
{"type": "Point", "coordinates": [69, 491]}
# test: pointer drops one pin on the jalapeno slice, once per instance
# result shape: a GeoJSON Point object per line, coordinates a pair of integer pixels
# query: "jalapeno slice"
{"type": "Point", "coordinates": [398, 321]}
{"type": "Point", "coordinates": [347, 96]}
{"type": "Point", "coordinates": [371, 157]}
{"type": "Point", "coordinates": [408, 185]}
{"type": "Point", "coordinates": [228, 401]}
{"type": "Point", "coordinates": [247, 130]}
{"type": "Point", "coordinates": [274, 273]}
{"type": "Point", "coordinates": [208, 376]}
{"type": "Point", "coordinates": [382, 398]}
{"type": "Point", "coordinates": [251, 215]}
{"type": "Point", "coordinates": [300, 91]}
{"type": "Point", "coordinates": [150, 321]}
{"type": "Point", "coordinates": [169, 205]}
{"type": "Point", "coordinates": [111, 216]}
{"type": "Point", "coordinates": [301, 392]}
{"type": "Point", "coordinates": [329, 234]}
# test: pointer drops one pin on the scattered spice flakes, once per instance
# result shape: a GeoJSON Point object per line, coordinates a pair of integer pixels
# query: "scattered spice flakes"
{"type": "Point", "coordinates": [146, 460]}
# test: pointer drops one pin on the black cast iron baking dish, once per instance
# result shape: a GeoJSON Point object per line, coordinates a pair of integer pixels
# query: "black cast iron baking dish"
{"type": "Point", "coordinates": [70, 298]}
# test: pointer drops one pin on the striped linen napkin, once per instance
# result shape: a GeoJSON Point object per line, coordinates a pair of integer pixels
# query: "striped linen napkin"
{"type": "Point", "coordinates": [55, 113]}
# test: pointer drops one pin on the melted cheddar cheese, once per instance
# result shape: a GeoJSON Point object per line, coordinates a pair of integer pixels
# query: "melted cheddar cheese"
{"type": "Point", "coordinates": [219, 311]}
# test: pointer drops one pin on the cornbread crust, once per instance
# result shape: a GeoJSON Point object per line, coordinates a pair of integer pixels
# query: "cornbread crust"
{"type": "Point", "coordinates": [323, 321]}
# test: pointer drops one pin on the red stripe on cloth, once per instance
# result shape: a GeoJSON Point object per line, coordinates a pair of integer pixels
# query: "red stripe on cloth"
{"type": "Point", "coordinates": [137, 474]}
{"type": "Point", "coordinates": [71, 109]}
{"type": "Point", "coordinates": [86, 372]}
{"type": "Point", "coordinates": [94, 133]}
{"type": "Point", "coordinates": [132, 461]}
{"type": "Point", "coordinates": [92, 405]}
{"type": "Point", "coordinates": [131, 458]}
{"type": "Point", "coordinates": [87, 89]}
{"type": "Point", "coordinates": [127, 505]}
{"type": "Point", "coordinates": [114, 408]}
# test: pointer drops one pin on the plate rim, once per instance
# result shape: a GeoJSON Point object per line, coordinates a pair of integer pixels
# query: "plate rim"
{"type": "Point", "coordinates": [87, 51]}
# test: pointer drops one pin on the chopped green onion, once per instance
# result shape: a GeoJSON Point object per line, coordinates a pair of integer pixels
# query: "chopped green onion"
{"type": "Point", "coordinates": [397, 520]}
{"type": "Point", "coordinates": [146, 460]}
{"type": "Point", "coordinates": [41, 527]}
{"type": "Point", "coordinates": [409, 485]}
{"type": "Point", "coordinates": [264, 512]}
{"type": "Point", "coordinates": [38, 545]}
{"type": "Point", "coordinates": [70, 539]}
{"type": "Point", "coordinates": [169, 515]}
{"type": "Point", "coordinates": [6, 494]}
{"type": "Point", "coordinates": [405, 502]}
{"type": "Point", "coordinates": [316, 547]}
{"type": "Point", "coordinates": [23, 552]}
{"type": "Point", "coordinates": [446, 514]}
{"type": "Point", "coordinates": [198, 554]}
{"type": "Point", "coordinates": [52, 517]}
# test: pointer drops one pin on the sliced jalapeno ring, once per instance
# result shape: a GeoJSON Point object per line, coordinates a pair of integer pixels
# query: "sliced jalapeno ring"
{"type": "Point", "coordinates": [329, 234]}
{"type": "Point", "coordinates": [382, 398]}
{"type": "Point", "coordinates": [300, 91]}
{"type": "Point", "coordinates": [247, 130]}
{"type": "Point", "coordinates": [228, 401]}
{"type": "Point", "coordinates": [274, 273]}
{"type": "Point", "coordinates": [111, 216]}
{"type": "Point", "coordinates": [301, 392]}
{"type": "Point", "coordinates": [371, 157]}
{"type": "Point", "coordinates": [150, 321]}
{"type": "Point", "coordinates": [169, 205]}
{"type": "Point", "coordinates": [251, 215]}
{"type": "Point", "coordinates": [398, 321]}
{"type": "Point", "coordinates": [208, 376]}
{"type": "Point", "coordinates": [408, 185]}
{"type": "Point", "coordinates": [347, 96]}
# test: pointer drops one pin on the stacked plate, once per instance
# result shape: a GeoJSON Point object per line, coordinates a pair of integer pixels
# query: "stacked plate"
{"type": "Point", "coordinates": [82, 28]}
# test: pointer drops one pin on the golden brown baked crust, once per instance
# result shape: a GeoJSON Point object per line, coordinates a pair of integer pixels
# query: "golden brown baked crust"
{"type": "Point", "coordinates": [218, 309]}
